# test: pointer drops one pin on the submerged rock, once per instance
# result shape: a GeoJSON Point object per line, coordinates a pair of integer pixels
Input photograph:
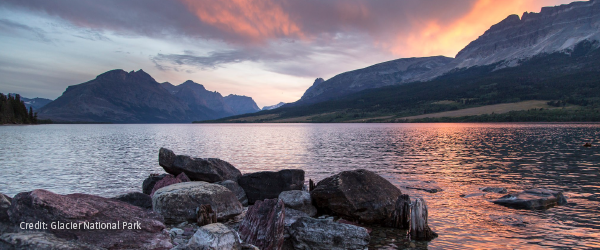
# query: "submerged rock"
{"type": "Point", "coordinates": [236, 189]}
{"type": "Point", "coordinates": [498, 190]}
{"type": "Point", "coordinates": [532, 199]}
{"type": "Point", "coordinates": [105, 219]}
{"type": "Point", "coordinates": [356, 195]}
{"type": "Point", "coordinates": [149, 182]}
{"type": "Point", "coordinates": [215, 236]}
{"type": "Point", "coordinates": [178, 202]}
{"type": "Point", "coordinates": [310, 233]}
{"type": "Point", "coordinates": [427, 186]}
{"type": "Point", "coordinates": [197, 169]}
{"type": "Point", "coordinates": [137, 199]}
{"type": "Point", "coordinates": [268, 185]}
{"type": "Point", "coordinates": [264, 225]}
{"type": "Point", "coordinates": [298, 200]}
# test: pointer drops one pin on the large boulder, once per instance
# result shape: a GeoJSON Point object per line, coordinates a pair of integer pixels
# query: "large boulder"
{"type": "Point", "coordinates": [264, 225]}
{"type": "Point", "coordinates": [178, 202]}
{"type": "Point", "coordinates": [197, 169]}
{"type": "Point", "coordinates": [101, 222]}
{"type": "Point", "coordinates": [215, 236]}
{"type": "Point", "coordinates": [298, 200]}
{"type": "Point", "coordinates": [310, 233]}
{"type": "Point", "coordinates": [149, 182]}
{"type": "Point", "coordinates": [236, 189]}
{"type": "Point", "coordinates": [137, 199]}
{"type": "Point", "coordinates": [532, 199]}
{"type": "Point", "coordinates": [268, 185]}
{"type": "Point", "coordinates": [359, 195]}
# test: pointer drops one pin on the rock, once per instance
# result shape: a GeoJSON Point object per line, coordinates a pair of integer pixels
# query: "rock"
{"type": "Point", "coordinates": [178, 202]}
{"type": "Point", "coordinates": [291, 215]}
{"type": "Point", "coordinates": [149, 183]}
{"type": "Point", "coordinates": [4, 206]}
{"type": "Point", "coordinates": [236, 189]}
{"type": "Point", "coordinates": [532, 199]}
{"type": "Point", "coordinates": [472, 195]}
{"type": "Point", "coordinates": [197, 169]}
{"type": "Point", "coordinates": [166, 181]}
{"type": "Point", "coordinates": [369, 230]}
{"type": "Point", "coordinates": [419, 227]}
{"type": "Point", "coordinates": [215, 236]}
{"type": "Point", "coordinates": [268, 185]}
{"type": "Point", "coordinates": [99, 212]}
{"type": "Point", "coordinates": [498, 190]}
{"type": "Point", "coordinates": [427, 186]}
{"type": "Point", "coordinates": [246, 246]}
{"type": "Point", "coordinates": [358, 195]}
{"type": "Point", "coordinates": [298, 200]}
{"type": "Point", "coordinates": [137, 199]}
{"type": "Point", "coordinates": [40, 241]}
{"type": "Point", "coordinates": [310, 233]}
{"type": "Point", "coordinates": [206, 215]}
{"type": "Point", "coordinates": [264, 225]}
{"type": "Point", "coordinates": [183, 177]}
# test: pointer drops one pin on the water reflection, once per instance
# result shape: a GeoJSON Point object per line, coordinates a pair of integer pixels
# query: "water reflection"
{"type": "Point", "coordinates": [113, 159]}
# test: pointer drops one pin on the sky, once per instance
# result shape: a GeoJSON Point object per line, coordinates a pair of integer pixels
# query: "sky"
{"type": "Point", "coordinates": [271, 50]}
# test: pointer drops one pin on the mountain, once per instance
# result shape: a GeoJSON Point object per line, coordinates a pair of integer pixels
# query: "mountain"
{"type": "Point", "coordinates": [552, 57]}
{"type": "Point", "coordinates": [507, 44]}
{"type": "Point", "coordinates": [278, 104]}
{"type": "Point", "coordinates": [34, 103]}
{"type": "Point", "coordinates": [119, 97]}
{"type": "Point", "coordinates": [241, 104]}
{"type": "Point", "coordinates": [378, 75]}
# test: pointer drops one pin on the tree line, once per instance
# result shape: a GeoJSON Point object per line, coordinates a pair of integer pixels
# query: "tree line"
{"type": "Point", "coordinates": [13, 111]}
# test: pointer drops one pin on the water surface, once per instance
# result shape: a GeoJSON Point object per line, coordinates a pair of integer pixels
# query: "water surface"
{"type": "Point", "coordinates": [108, 160]}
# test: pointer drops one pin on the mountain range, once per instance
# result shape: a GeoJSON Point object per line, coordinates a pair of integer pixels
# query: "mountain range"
{"type": "Point", "coordinates": [118, 96]}
{"type": "Point", "coordinates": [552, 55]}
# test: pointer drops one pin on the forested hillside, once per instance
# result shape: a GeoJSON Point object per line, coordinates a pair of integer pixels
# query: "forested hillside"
{"type": "Point", "coordinates": [13, 111]}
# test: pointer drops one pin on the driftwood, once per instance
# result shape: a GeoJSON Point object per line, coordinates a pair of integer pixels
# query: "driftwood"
{"type": "Point", "coordinates": [419, 230]}
{"type": "Point", "coordinates": [264, 225]}
{"type": "Point", "coordinates": [311, 185]}
{"type": "Point", "coordinates": [400, 217]}
{"type": "Point", "coordinates": [205, 215]}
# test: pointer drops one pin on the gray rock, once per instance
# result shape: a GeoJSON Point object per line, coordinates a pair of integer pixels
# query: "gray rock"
{"type": "Point", "coordinates": [268, 185]}
{"type": "Point", "coordinates": [310, 233]}
{"type": "Point", "coordinates": [292, 215]}
{"type": "Point", "coordinates": [358, 195]}
{"type": "Point", "coordinates": [236, 189]}
{"type": "Point", "coordinates": [149, 183]}
{"type": "Point", "coordinates": [40, 241]}
{"type": "Point", "coordinates": [498, 190]}
{"type": "Point", "coordinates": [137, 199]}
{"type": "Point", "coordinates": [197, 169]}
{"type": "Point", "coordinates": [178, 202]}
{"type": "Point", "coordinates": [532, 199]}
{"type": "Point", "coordinates": [215, 236]}
{"type": "Point", "coordinates": [427, 186]}
{"type": "Point", "coordinates": [246, 246]}
{"type": "Point", "coordinates": [298, 200]}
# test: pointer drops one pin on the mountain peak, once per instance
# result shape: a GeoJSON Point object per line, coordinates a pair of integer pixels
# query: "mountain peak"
{"type": "Point", "coordinates": [318, 81]}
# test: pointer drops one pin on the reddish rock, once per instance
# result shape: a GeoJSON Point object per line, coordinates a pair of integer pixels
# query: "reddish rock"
{"type": "Point", "coordinates": [183, 178]}
{"type": "Point", "coordinates": [149, 182]}
{"type": "Point", "coordinates": [264, 225]}
{"type": "Point", "coordinates": [166, 181]}
{"type": "Point", "coordinates": [82, 209]}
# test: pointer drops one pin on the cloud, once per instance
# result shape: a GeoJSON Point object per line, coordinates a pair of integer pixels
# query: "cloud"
{"type": "Point", "coordinates": [32, 33]}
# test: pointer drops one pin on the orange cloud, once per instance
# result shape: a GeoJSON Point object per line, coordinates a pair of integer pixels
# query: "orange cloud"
{"type": "Point", "coordinates": [257, 20]}
{"type": "Point", "coordinates": [432, 37]}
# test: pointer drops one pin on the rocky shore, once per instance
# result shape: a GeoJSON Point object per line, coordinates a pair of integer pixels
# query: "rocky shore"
{"type": "Point", "coordinates": [207, 203]}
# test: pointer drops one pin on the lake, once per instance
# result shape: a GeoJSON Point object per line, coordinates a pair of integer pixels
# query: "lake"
{"type": "Point", "coordinates": [109, 159]}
